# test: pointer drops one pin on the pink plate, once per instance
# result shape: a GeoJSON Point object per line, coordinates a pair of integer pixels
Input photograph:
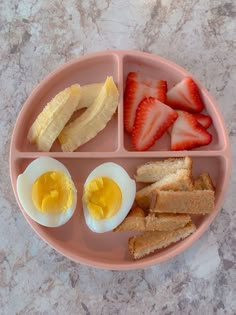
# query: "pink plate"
{"type": "Point", "coordinates": [74, 240]}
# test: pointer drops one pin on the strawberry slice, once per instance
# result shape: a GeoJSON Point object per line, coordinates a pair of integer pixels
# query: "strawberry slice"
{"type": "Point", "coordinates": [135, 92]}
{"type": "Point", "coordinates": [187, 133]}
{"type": "Point", "coordinates": [152, 119]}
{"type": "Point", "coordinates": [185, 96]}
{"type": "Point", "coordinates": [140, 78]}
{"type": "Point", "coordinates": [204, 120]}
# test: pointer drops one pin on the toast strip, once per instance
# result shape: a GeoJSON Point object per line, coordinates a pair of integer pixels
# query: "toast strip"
{"type": "Point", "coordinates": [203, 182]}
{"type": "Point", "coordinates": [154, 171]}
{"type": "Point", "coordinates": [137, 221]}
{"type": "Point", "coordinates": [166, 221]}
{"type": "Point", "coordinates": [192, 202]}
{"type": "Point", "coordinates": [181, 180]}
{"type": "Point", "coordinates": [142, 245]}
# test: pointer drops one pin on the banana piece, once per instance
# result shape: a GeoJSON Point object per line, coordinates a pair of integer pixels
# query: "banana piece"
{"type": "Point", "coordinates": [93, 120]}
{"type": "Point", "coordinates": [88, 94]}
{"type": "Point", "coordinates": [54, 117]}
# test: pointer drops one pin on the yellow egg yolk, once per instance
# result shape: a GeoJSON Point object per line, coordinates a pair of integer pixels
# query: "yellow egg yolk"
{"type": "Point", "coordinates": [103, 198]}
{"type": "Point", "coordinates": [52, 193]}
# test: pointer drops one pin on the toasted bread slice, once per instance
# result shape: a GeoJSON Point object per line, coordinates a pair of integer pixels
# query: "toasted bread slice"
{"type": "Point", "coordinates": [192, 202]}
{"type": "Point", "coordinates": [142, 245]}
{"type": "Point", "coordinates": [137, 221]}
{"type": "Point", "coordinates": [154, 171]}
{"type": "Point", "coordinates": [166, 221]}
{"type": "Point", "coordinates": [203, 182]}
{"type": "Point", "coordinates": [181, 180]}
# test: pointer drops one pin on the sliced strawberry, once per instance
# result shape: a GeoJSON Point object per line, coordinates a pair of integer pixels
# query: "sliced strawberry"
{"type": "Point", "coordinates": [135, 92]}
{"type": "Point", "coordinates": [204, 120]}
{"type": "Point", "coordinates": [187, 133]}
{"type": "Point", "coordinates": [185, 96]}
{"type": "Point", "coordinates": [152, 119]}
{"type": "Point", "coordinates": [151, 82]}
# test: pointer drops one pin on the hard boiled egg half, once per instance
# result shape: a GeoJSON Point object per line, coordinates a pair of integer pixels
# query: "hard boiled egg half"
{"type": "Point", "coordinates": [108, 196]}
{"type": "Point", "coordinates": [47, 192]}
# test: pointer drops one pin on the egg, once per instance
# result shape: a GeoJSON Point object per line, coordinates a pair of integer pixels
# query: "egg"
{"type": "Point", "coordinates": [46, 192]}
{"type": "Point", "coordinates": [108, 196]}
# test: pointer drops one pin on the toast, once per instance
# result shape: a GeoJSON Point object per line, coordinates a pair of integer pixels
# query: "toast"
{"type": "Point", "coordinates": [142, 245]}
{"type": "Point", "coordinates": [203, 182]}
{"type": "Point", "coordinates": [137, 221]}
{"type": "Point", "coordinates": [166, 221]}
{"type": "Point", "coordinates": [191, 202]}
{"type": "Point", "coordinates": [199, 201]}
{"type": "Point", "coordinates": [154, 171]}
{"type": "Point", "coordinates": [181, 180]}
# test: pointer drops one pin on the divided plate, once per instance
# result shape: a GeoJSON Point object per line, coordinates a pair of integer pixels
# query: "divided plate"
{"type": "Point", "coordinates": [74, 239]}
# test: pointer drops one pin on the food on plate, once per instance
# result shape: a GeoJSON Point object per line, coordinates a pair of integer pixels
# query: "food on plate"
{"type": "Point", "coordinates": [108, 196]}
{"type": "Point", "coordinates": [46, 192]}
{"type": "Point", "coordinates": [100, 102]}
{"type": "Point", "coordinates": [152, 120]}
{"type": "Point", "coordinates": [146, 118]}
{"type": "Point", "coordinates": [53, 118]}
{"type": "Point", "coordinates": [181, 180]}
{"type": "Point", "coordinates": [187, 133]}
{"type": "Point", "coordinates": [204, 120]}
{"type": "Point", "coordinates": [185, 95]}
{"type": "Point", "coordinates": [93, 120]}
{"type": "Point", "coordinates": [203, 182]}
{"type": "Point", "coordinates": [194, 202]}
{"type": "Point", "coordinates": [163, 208]}
{"type": "Point", "coordinates": [88, 94]}
{"type": "Point", "coordinates": [146, 243]}
{"type": "Point", "coordinates": [134, 221]}
{"type": "Point", "coordinates": [153, 171]}
{"type": "Point", "coordinates": [159, 85]}
{"type": "Point", "coordinates": [137, 88]}
{"type": "Point", "coordinates": [137, 220]}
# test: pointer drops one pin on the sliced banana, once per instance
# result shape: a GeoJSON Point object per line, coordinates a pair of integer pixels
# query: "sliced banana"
{"type": "Point", "coordinates": [54, 117]}
{"type": "Point", "coordinates": [88, 94]}
{"type": "Point", "coordinates": [93, 120]}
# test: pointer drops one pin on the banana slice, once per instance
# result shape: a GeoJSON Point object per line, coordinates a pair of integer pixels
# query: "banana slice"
{"type": "Point", "coordinates": [93, 120]}
{"type": "Point", "coordinates": [53, 118]}
{"type": "Point", "coordinates": [88, 94]}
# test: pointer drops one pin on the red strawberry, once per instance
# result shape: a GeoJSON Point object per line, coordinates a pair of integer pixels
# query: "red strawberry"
{"type": "Point", "coordinates": [135, 92]}
{"type": "Point", "coordinates": [185, 96]}
{"type": "Point", "coordinates": [204, 120]}
{"type": "Point", "coordinates": [140, 78]}
{"type": "Point", "coordinates": [152, 119]}
{"type": "Point", "coordinates": [187, 133]}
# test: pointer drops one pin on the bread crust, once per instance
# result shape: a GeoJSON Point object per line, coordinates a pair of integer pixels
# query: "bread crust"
{"type": "Point", "coordinates": [166, 204]}
{"type": "Point", "coordinates": [192, 202]}
{"type": "Point", "coordinates": [154, 171]}
{"type": "Point", "coordinates": [203, 182]}
{"type": "Point", "coordinates": [137, 221]}
{"type": "Point", "coordinates": [146, 243]}
{"type": "Point", "coordinates": [181, 180]}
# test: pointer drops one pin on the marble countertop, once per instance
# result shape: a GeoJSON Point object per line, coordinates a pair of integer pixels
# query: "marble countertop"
{"type": "Point", "coordinates": [38, 36]}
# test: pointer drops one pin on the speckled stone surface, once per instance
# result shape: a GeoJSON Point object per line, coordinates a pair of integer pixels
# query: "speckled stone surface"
{"type": "Point", "coordinates": [38, 36]}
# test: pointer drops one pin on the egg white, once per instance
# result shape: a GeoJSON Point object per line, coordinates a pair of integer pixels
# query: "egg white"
{"type": "Point", "coordinates": [24, 185]}
{"type": "Point", "coordinates": [128, 190]}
